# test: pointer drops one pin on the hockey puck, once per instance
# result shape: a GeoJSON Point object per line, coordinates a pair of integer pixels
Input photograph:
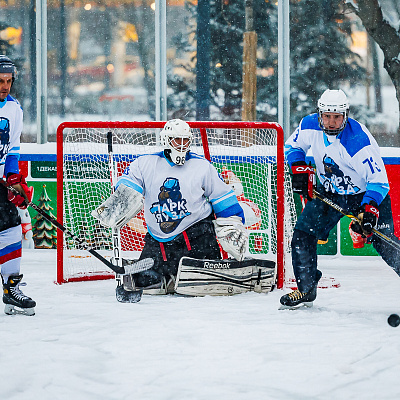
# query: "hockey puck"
{"type": "Point", "coordinates": [394, 320]}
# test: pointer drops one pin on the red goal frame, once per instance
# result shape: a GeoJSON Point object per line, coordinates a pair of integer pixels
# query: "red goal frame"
{"type": "Point", "coordinates": [202, 126]}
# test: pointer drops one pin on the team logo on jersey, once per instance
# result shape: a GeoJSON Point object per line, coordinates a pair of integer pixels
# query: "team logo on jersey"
{"type": "Point", "coordinates": [170, 209]}
{"type": "Point", "coordinates": [4, 136]}
{"type": "Point", "coordinates": [334, 180]}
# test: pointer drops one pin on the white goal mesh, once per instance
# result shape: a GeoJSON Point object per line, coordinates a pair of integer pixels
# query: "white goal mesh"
{"type": "Point", "coordinates": [249, 157]}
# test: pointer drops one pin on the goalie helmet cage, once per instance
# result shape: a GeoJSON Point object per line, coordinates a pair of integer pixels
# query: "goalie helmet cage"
{"type": "Point", "coordinates": [248, 155]}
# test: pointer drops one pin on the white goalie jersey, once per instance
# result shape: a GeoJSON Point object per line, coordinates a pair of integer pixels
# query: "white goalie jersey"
{"type": "Point", "coordinates": [176, 197]}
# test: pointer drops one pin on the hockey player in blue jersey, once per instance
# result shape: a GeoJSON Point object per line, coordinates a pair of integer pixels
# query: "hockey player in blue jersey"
{"type": "Point", "coordinates": [181, 192]}
{"type": "Point", "coordinates": [10, 221]}
{"type": "Point", "coordinates": [351, 174]}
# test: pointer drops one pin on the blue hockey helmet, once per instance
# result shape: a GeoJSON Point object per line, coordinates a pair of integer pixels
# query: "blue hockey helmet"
{"type": "Point", "coordinates": [8, 67]}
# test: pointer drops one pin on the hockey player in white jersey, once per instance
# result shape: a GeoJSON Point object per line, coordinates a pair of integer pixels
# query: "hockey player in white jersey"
{"type": "Point", "coordinates": [10, 222]}
{"type": "Point", "coordinates": [181, 192]}
{"type": "Point", "coordinates": [351, 174]}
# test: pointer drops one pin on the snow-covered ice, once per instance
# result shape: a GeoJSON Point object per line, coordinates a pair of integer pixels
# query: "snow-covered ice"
{"type": "Point", "coordinates": [83, 344]}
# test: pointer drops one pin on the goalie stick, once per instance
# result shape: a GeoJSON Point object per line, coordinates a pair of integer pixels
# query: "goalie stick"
{"type": "Point", "coordinates": [140, 266]}
{"type": "Point", "coordinates": [387, 239]}
{"type": "Point", "coordinates": [116, 242]}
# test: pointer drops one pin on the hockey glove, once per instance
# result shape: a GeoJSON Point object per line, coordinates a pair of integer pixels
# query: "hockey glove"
{"type": "Point", "coordinates": [232, 236]}
{"type": "Point", "coordinates": [358, 239]}
{"type": "Point", "coordinates": [119, 208]}
{"type": "Point", "coordinates": [303, 179]}
{"type": "Point", "coordinates": [368, 215]}
{"type": "Point", "coordinates": [21, 200]}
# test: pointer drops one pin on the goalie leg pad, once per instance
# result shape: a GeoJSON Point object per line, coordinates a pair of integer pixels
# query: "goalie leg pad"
{"type": "Point", "coordinates": [119, 208]}
{"type": "Point", "coordinates": [224, 277]}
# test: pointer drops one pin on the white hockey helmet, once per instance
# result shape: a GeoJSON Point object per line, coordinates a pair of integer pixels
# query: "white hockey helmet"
{"type": "Point", "coordinates": [176, 129]}
{"type": "Point", "coordinates": [333, 101]}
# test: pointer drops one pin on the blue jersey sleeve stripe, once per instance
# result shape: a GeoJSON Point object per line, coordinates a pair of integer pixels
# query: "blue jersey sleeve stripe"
{"type": "Point", "coordinates": [230, 211]}
{"type": "Point", "coordinates": [376, 192]}
{"type": "Point", "coordinates": [222, 198]}
{"type": "Point", "coordinates": [14, 152]}
{"type": "Point", "coordinates": [11, 164]}
{"type": "Point", "coordinates": [224, 202]}
{"type": "Point", "coordinates": [130, 184]}
{"type": "Point", "coordinates": [190, 155]}
{"type": "Point", "coordinates": [294, 154]}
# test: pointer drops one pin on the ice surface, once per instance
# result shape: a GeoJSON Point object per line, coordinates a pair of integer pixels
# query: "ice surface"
{"type": "Point", "coordinates": [83, 344]}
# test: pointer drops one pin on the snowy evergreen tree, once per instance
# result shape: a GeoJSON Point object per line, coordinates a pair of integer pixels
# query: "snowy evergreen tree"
{"type": "Point", "coordinates": [320, 54]}
{"type": "Point", "coordinates": [227, 28]}
{"type": "Point", "coordinates": [44, 232]}
{"type": "Point", "coordinates": [321, 58]}
{"type": "Point", "coordinates": [181, 102]}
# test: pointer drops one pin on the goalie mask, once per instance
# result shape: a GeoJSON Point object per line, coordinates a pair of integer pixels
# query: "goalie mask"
{"type": "Point", "coordinates": [333, 101]}
{"type": "Point", "coordinates": [176, 138]}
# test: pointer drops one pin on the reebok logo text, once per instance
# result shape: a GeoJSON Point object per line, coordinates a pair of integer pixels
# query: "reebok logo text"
{"type": "Point", "coordinates": [211, 265]}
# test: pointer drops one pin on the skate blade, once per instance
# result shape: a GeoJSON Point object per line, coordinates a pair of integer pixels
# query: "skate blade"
{"type": "Point", "coordinates": [307, 304]}
{"type": "Point", "coordinates": [9, 309]}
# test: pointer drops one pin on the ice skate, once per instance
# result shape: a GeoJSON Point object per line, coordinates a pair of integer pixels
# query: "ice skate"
{"type": "Point", "coordinates": [128, 292]}
{"type": "Point", "coordinates": [161, 288]}
{"type": "Point", "coordinates": [297, 299]}
{"type": "Point", "coordinates": [15, 301]}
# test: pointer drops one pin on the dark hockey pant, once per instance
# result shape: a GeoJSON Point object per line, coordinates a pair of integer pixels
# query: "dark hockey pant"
{"type": "Point", "coordinates": [9, 216]}
{"type": "Point", "coordinates": [198, 241]}
{"type": "Point", "coordinates": [316, 221]}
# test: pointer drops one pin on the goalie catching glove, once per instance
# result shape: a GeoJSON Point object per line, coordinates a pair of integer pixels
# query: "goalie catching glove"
{"type": "Point", "coordinates": [232, 236]}
{"type": "Point", "coordinates": [119, 208]}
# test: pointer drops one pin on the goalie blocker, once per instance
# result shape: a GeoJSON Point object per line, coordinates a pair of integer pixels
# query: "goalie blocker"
{"type": "Point", "coordinates": [224, 277]}
{"type": "Point", "coordinates": [124, 204]}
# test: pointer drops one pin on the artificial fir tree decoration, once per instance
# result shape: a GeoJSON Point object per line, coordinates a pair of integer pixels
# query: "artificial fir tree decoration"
{"type": "Point", "coordinates": [44, 232]}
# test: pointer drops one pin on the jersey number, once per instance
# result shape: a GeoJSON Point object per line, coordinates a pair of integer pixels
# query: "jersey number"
{"type": "Point", "coordinates": [372, 165]}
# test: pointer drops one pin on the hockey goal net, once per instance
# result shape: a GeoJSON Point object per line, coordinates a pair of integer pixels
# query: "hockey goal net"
{"type": "Point", "coordinates": [248, 155]}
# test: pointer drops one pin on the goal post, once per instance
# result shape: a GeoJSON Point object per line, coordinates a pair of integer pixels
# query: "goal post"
{"type": "Point", "coordinates": [248, 155]}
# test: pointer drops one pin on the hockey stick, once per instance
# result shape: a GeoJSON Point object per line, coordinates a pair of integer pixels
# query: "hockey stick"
{"type": "Point", "coordinates": [116, 242]}
{"type": "Point", "coordinates": [387, 239]}
{"type": "Point", "coordinates": [140, 266]}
